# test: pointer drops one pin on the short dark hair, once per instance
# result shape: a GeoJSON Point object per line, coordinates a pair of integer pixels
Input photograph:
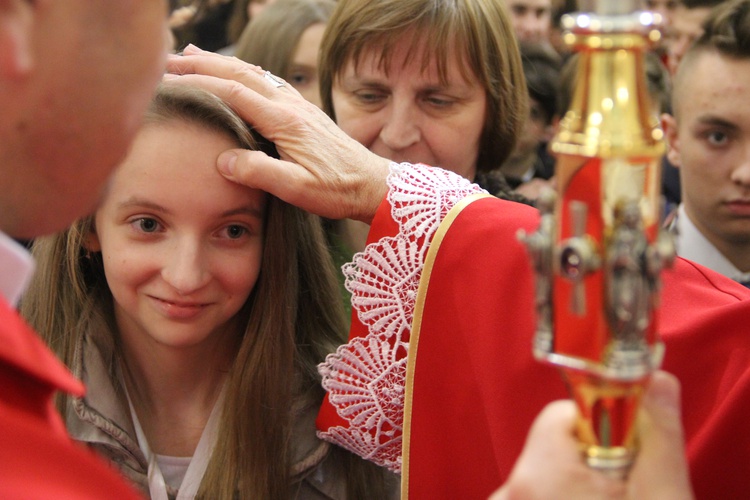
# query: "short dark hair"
{"type": "Point", "coordinates": [698, 4]}
{"type": "Point", "coordinates": [541, 67]}
{"type": "Point", "coordinates": [727, 30]}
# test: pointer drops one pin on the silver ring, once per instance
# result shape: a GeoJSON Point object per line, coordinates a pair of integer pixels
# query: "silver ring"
{"type": "Point", "coordinates": [275, 80]}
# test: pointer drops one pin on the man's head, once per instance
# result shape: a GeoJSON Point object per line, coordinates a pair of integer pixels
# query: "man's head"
{"type": "Point", "coordinates": [709, 135]}
{"type": "Point", "coordinates": [532, 19]}
{"type": "Point", "coordinates": [685, 27]}
{"type": "Point", "coordinates": [75, 79]}
{"type": "Point", "coordinates": [541, 67]}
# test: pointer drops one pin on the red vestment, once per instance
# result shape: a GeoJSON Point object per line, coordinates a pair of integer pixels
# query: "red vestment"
{"type": "Point", "coordinates": [37, 458]}
{"type": "Point", "coordinates": [472, 387]}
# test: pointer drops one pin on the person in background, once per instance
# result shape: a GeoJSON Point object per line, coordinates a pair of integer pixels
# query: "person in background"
{"type": "Point", "coordinates": [559, 9]}
{"type": "Point", "coordinates": [709, 142]}
{"type": "Point", "coordinates": [202, 22]}
{"type": "Point", "coordinates": [532, 19]}
{"type": "Point", "coordinates": [243, 12]}
{"type": "Point", "coordinates": [196, 310]}
{"type": "Point", "coordinates": [685, 27]}
{"type": "Point", "coordinates": [212, 24]}
{"type": "Point", "coordinates": [285, 40]}
{"type": "Point", "coordinates": [72, 101]}
{"type": "Point", "coordinates": [431, 82]}
{"type": "Point", "coordinates": [530, 167]}
{"type": "Point", "coordinates": [665, 8]}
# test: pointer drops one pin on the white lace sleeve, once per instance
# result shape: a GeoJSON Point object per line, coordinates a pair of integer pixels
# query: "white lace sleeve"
{"type": "Point", "coordinates": [365, 378]}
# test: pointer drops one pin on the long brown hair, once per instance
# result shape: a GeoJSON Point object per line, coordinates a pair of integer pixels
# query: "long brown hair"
{"type": "Point", "coordinates": [294, 319]}
{"type": "Point", "coordinates": [271, 39]}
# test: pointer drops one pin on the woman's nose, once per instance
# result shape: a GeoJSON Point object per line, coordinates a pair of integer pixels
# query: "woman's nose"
{"type": "Point", "coordinates": [401, 128]}
{"type": "Point", "coordinates": [186, 268]}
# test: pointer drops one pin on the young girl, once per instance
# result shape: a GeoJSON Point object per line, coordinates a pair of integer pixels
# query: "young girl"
{"type": "Point", "coordinates": [285, 40]}
{"type": "Point", "coordinates": [195, 311]}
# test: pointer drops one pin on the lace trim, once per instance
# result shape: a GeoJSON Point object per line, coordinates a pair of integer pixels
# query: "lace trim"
{"type": "Point", "coordinates": [365, 378]}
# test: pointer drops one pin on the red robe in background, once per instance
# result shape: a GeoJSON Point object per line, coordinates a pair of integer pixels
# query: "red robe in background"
{"type": "Point", "coordinates": [453, 415]}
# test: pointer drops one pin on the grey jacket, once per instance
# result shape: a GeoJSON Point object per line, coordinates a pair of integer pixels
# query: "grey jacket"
{"type": "Point", "coordinates": [102, 420]}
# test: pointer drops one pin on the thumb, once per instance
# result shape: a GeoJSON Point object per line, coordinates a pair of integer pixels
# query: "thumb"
{"type": "Point", "coordinates": [283, 179]}
{"type": "Point", "coordinates": [551, 466]}
{"type": "Point", "coordinates": [661, 470]}
{"type": "Point", "coordinates": [241, 166]}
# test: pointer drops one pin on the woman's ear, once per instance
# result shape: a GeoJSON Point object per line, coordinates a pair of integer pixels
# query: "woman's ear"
{"type": "Point", "coordinates": [91, 240]}
{"type": "Point", "coordinates": [16, 36]}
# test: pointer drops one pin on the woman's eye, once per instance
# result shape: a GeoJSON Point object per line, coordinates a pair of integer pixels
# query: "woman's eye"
{"type": "Point", "coordinates": [439, 102]}
{"type": "Point", "coordinates": [298, 79]}
{"type": "Point", "coordinates": [147, 225]}
{"type": "Point", "coordinates": [369, 97]}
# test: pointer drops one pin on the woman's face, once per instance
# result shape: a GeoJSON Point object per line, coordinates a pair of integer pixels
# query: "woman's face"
{"type": "Point", "coordinates": [181, 245]}
{"type": "Point", "coordinates": [303, 70]}
{"type": "Point", "coordinates": [255, 7]}
{"type": "Point", "coordinates": [406, 114]}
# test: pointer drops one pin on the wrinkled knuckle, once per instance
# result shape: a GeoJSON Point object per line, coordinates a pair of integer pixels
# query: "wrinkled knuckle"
{"type": "Point", "coordinates": [243, 72]}
{"type": "Point", "coordinates": [299, 125]}
{"type": "Point", "coordinates": [235, 90]}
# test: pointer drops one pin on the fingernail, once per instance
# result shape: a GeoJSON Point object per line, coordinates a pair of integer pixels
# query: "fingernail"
{"type": "Point", "coordinates": [191, 48]}
{"type": "Point", "coordinates": [226, 162]}
{"type": "Point", "coordinates": [169, 76]}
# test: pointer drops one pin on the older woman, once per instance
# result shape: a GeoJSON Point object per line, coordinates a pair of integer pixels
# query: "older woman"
{"type": "Point", "coordinates": [426, 81]}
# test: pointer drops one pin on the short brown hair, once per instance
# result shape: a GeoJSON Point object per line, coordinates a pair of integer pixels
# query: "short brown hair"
{"type": "Point", "coordinates": [480, 30]}
{"type": "Point", "coordinates": [726, 31]}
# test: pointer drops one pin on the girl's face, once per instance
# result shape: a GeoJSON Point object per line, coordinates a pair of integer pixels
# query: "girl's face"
{"type": "Point", "coordinates": [406, 114]}
{"type": "Point", "coordinates": [303, 70]}
{"type": "Point", "coordinates": [255, 7]}
{"type": "Point", "coordinates": [181, 245]}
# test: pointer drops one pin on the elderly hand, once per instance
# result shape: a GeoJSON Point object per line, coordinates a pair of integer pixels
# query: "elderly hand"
{"type": "Point", "coordinates": [322, 170]}
{"type": "Point", "coordinates": [551, 466]}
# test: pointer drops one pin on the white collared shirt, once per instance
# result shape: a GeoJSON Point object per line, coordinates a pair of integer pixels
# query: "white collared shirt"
{"type": "Point", "coordinates": [693, 245]}
{"type": "Point", "coordinates": [16, 268]}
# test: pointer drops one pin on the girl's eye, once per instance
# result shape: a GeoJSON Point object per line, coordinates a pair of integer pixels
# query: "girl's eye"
{"type": "Point", "coordinates": [235, 231]}
{"type": "Point", "coordinates": [147, 225]}
{"type": "Point", "coordinates": [297, 79]}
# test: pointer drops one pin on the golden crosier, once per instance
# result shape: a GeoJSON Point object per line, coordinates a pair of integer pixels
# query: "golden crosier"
{"type": "Point", "coordinates": [598, 252]}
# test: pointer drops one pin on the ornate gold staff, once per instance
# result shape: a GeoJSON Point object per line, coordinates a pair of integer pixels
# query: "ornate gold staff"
{"type": "Point", "coordinates": [599, 250]}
